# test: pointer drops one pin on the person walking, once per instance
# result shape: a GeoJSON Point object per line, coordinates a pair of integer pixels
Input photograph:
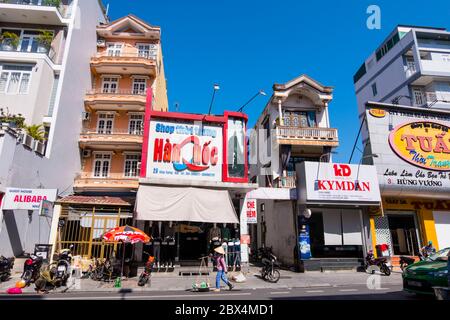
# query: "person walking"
{"type": "Point", "coordinates": [219, 253]}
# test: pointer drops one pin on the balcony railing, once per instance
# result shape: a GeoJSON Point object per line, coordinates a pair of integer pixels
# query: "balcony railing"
{"type": "Point", "coordinates": [51, 54]}
{"type": "Point", "coordinates": [436, 97]}
{"type": "Point", "coordinates": [287, 182]}
{"type": "Point", "coordinates": [117, 92]}
{"type": "Point", "coordinates": [60, 5]}
{"type": "Point", "coordinates": [113, 180]}
{"type": "Point", "coordinates": [302, 133]}
{"type": "Point", "coordinates": [113, 132]}
{"type": "Point", "coordinates": [125, 55]}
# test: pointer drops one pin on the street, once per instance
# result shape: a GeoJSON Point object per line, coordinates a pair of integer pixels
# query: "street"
{"type": "Point", "coordinates": [350, 292]}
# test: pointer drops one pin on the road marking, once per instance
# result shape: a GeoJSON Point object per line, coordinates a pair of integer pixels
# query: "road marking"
{"type": "Point", "coordinates": [348, 290]}
{"type": "Point", "coordinates": [122, 297]}
{"type": "Point", "coordinates": [280, 292]}
{"type": "Point", "coordinates": [315, 291]}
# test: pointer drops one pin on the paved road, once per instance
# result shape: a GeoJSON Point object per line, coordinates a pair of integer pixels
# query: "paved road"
{"type": "Point", "coordinates": [355, 292]}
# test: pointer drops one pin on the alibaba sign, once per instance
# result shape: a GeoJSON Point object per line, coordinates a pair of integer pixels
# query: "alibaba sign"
{"type": "Point", "coordinates": [424, 144]}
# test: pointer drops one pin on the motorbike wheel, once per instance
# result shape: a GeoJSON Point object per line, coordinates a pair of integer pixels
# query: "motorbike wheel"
{"type": "Point", "coordinates": [26, 276]}
{"type": "Point", "coordinates": [143, 279]}
{"type": "Point", "coordinates": [386, 270]}
{"type": "Point", "coordinates": [273, 276]}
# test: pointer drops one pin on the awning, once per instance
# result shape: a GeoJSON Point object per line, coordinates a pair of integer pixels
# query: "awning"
{"type": "Point", "coordinates": [154, 203]}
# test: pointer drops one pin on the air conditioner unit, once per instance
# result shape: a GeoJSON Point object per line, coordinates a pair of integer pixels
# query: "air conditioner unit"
{"type": "Point", "coordinates": [139, 166]}
{"type": "Point", "coordinates": [86, 116]}
{"type": "Point", "coordinates": [86, 153]}
{"type": "Point", "coordinates": [101, 43]}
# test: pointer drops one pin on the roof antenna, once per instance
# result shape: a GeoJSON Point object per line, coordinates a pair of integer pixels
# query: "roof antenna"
{"type": "Point", "coordinates": [107, 9]}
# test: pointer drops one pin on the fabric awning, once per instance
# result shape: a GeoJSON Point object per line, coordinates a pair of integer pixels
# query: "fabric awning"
{"type": "Point", "coordinates": [154, 203]}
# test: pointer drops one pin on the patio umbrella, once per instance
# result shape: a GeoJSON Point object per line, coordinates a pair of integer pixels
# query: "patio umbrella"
{"type": "Point", "coordinates": [126, 234]}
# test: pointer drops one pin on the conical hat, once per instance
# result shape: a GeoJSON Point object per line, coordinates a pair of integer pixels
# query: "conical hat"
{"type": "Point", "coordinates": [219, 250]}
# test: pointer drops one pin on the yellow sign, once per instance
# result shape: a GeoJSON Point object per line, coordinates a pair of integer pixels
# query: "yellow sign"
{"type": "Point", "coordinates": [377, 113]}
{"type": "Point", "coordinates": [424, 144]}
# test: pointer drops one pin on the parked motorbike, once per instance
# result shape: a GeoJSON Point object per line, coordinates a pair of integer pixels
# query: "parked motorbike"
{"type": "Point", "coordinates": [6, 265]}
{"type": "Point", "coordinates": [145, 275]}
{"type": "Point", "coordinates": [31, 269]}
{"type": "Point", "coordinates": [63, 267]}
{"type": "Point", "coordinates": [103, 271]}
{"type": "Point", "coordinates": [381, 263]}
{"type": "Point", "coordinates": [270, 270]}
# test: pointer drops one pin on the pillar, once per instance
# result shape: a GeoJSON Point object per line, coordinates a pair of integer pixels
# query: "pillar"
{"type": "Point", "coordinates": [427, 226]}
{"type": "Point", "coordinates": [54, 229]}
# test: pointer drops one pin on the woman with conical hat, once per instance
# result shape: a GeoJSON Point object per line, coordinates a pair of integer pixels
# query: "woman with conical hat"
{"type": "Point", "coordinates": [221, 269]}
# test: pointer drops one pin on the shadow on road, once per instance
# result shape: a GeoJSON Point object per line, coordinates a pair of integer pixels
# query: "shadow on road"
{"type": "Point", "coordinates": [396, 295]}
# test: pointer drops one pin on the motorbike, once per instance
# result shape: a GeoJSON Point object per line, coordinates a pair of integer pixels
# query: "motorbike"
{"type": "Point", "coordinates": [381, 263]}
{"type": "Point", "coordinates": [31, 269]}
{"type": "Point", "coordinates": [6, 265]}
{"type": "Point", "coordinates": [145, 275]}
{"type": "Point", "coordinates": [270, 270]}
{"type": "Point", "coordinates": [63, 267]}
{"type": "Point", "coordinates": [103, 271]}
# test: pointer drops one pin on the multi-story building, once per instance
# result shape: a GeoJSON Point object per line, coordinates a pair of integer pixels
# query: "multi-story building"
{"type": "Point", "coordinates": [45, 50]}
{"type": "Point", "coordinates": [127, 71]}
{"type": "Point", "coordinates": [294, 127]}
{"type": "Point", "coordinates": [403, 96]}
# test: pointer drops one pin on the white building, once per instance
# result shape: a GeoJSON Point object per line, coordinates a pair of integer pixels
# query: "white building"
{"type": "Point", "coordinates": [44, 74]}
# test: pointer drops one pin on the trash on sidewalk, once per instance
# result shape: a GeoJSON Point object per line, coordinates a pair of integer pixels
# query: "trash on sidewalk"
{"type": "Point", "coordinates": [239, 278]}
{"type": "Point", "coordinates": [14, 291]}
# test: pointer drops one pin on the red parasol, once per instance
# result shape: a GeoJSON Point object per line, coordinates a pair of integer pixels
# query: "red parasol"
{"type": "Point", "coordinates": [126, 234]}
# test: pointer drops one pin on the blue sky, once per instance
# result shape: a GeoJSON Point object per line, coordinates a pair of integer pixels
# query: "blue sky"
{"type": "Point", "coordinates": [249, 45]}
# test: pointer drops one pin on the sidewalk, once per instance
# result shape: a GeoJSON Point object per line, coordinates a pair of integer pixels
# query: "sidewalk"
{"type": "Point", "coordinates": [173, 282]}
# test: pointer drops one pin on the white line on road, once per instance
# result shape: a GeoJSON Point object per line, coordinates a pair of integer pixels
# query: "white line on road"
{"type": "Point", "coordinates": [145, 297]}
{"type": "Point", "coordinates": [280, 292]}
{"type": "Point", "coordinates": [348, 290]}
{"type": "Point", "coordinates": [315, 291]}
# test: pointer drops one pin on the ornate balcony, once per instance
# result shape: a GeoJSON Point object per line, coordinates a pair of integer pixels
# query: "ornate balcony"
{"type": "Point", "coordinates": [98, 99]}
{"type": "Point", "coordinates": [307, 136]}
{"type": "Point", "coordinates": [124, 63]}
{"type": "Point", "coordinates": [115, 139]}
{"type": "Point", "coordinates": [117, 182]}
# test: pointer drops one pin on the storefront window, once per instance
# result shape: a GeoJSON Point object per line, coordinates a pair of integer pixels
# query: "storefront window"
{"type": "Point", "coordinates": [235, 147]}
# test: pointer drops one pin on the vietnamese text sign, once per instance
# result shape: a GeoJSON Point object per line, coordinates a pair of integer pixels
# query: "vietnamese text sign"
{"type": "Point", "coordinates": [338, 182]}
{"type": "Point", "coordinates": [251, 211]}
{"type": "Point", "coordinates": [27, 199]}
{"type": "Point", "coordinates": [185, 150]}
{"type": "Point", "coordinates": [413, 149]}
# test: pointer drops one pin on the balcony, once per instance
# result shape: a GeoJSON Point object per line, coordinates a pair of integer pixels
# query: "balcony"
{"type": "Point", "coordinates": [44, 12]}
{"type": "Point", "coordinates": [307, 136]}
{"type": "Point", "coordinates": [38, 51]}
{"type": "Point", "coordinates": [124, 63]}
{"type": "Point", "coordinates": [117, 182]}
{"type": "Point", "coordinates": [115, 139]}
{"type": "Point", "coordinates": [437, 99]}
{"type": "Point", "coordinates": [436, 66]}
{"type": "Point", "coordinates": [131, 100]}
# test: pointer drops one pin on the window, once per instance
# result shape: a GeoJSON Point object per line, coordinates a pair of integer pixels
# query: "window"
{"type": "Point", "coordinates": [15, 79]}
{"type": "Point", "coordinates": [300, 119]}
{"type": "Point", "coordinates": [410, 66]}
{"type": "Point", "coordinates": [419, 98]}
{"type": "Point", "coordinates": [374, 89]}
{"type": "Point", "coordinates": [105, 123]}
{"type": "Point", "coordinates": [102, 164]}
{"type": "Point", "coordinates": [143, 50]}
{"type": "Point", "coordinates": [110, 85]}
{"type": "Point", "coordinates": [114, 49]}
{"type": "Point", "coordinates": [139, 86]}
{"type": "Point", "coordinates": [132, 165]}
{"type": "Point", "coordinates": [136, 124]}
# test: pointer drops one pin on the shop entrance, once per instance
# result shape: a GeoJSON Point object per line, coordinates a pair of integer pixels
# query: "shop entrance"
{"type": "Point", "coordinates": [403, 230]}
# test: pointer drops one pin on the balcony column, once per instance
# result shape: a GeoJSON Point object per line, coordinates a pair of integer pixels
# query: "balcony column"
{"type": "Point", "coordinates": [280, 114]}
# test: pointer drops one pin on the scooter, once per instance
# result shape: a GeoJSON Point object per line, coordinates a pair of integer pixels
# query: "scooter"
{"type": "Point", "coordinates": [6, 265]}
{"type": "Point", "coordinates": [269, 271]}
{"type": "Point", "coordinates": [31, 269]}
{"type": "Point", "coordinates": [63, 267]}
{"type": "Point", "coordinates": [381, 263]}
{"type": "Point", "coordinates": [145, 275]}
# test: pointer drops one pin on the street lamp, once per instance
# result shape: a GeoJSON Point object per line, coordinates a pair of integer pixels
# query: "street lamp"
{"type": "Point", "coordinates": [215, 88]}
{"type": "Point", "coordinates": [260, 92]}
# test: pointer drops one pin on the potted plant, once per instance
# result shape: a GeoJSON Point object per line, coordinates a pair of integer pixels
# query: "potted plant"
{"type": "Point", "coordinates": [36, 131]}
{"type": "Point", "coordinates": [44, 39]}
{"type": "Point", "coordinates": [11, 120]}
{"type": "Point", "coordinates": [52, 3]}
{"type": "Point", "coordinates": [10, 41]}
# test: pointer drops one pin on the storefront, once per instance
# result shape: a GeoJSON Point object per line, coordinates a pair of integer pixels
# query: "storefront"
{"type": "Point", "coordinates": [412, 149]}
{"type": "Point", "coordinates": [193, 181]}
{"type": "Point", "coordinates": [331, 200]}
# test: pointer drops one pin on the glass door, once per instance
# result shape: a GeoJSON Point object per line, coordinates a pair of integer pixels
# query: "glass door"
{"type": "Point", "coordinates": [114, 49]}
{"type": "Point", "coordinates": [102, 164]}
{"type": "Point", "coordinates": [105, 123]}
{"type": "Point", "coordinates": [404, 235]}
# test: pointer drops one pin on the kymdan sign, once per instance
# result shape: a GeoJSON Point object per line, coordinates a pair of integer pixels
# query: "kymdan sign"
{"type": "Point", "coordinates": [27, 199]}
{"type": "Point", "coordinates": [338, 182]}
{"type": "Point", "coordinates": [185, 150]}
